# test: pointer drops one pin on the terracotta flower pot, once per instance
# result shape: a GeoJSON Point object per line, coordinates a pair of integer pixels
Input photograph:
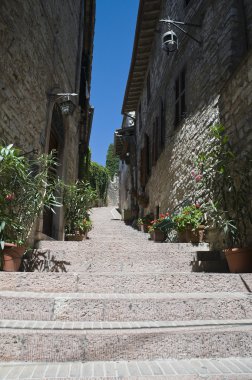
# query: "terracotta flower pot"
{"type": "Point", "coordinates": [12, 256]}
{"type": "Point", "coordinates": [239, 260]}
{"type": "Point", "coordinates": [158, 236]}
{"type": "Point", "coordinates": [182, 237]}
{"type": "Point", "coordinates": [195, 236]}
{"type": "Point", "coordinates": [74, 237]}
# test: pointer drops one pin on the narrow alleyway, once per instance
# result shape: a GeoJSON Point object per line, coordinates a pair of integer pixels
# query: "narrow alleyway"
{"type": "Point", "coordinates": [126, 308]}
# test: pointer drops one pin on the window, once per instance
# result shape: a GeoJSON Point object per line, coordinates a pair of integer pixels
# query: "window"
{"type": "Point", "coordinates": [180, 104]}
{"type": "Point", "coordinates": [147, 155]}
{"type": "Point", "coordinates": [140, 117]}
{"type": "Point", "coordinates": [148, 88]}
{"type": "Point", "coordinates": [145, 168]}
{"type": "Point", "coordinates": [155, 142]}
{"type": "Point", "coordinates": [162, 125]}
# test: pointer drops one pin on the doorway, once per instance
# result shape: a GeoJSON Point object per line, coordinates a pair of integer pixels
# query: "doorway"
{"type": "Point", "coordinates": [52, 225]}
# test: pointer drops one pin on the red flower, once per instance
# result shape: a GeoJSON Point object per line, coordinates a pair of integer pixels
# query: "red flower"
{"type": "Point", "coordinates": [10, 197]}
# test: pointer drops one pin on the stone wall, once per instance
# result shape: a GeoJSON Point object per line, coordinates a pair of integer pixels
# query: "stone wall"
{"type": "Point", "coordinates": [208, 67]}
{"type": "Point", "coordinates": [39, 46]}
{"type": "Point", "coordinates": [41, 43]}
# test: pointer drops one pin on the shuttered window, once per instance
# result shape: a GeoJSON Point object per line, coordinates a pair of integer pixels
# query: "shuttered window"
{"type": "Point", "coordinates": [145, 167]}
{"type": "Point", "coordinates": [140, 117]}
{"type": "Point", "coordinates": [155, 141]}
{"type": "Point", "coordinates": [180, 103]}
{"type": "Point", "coordinates": [162, 125]}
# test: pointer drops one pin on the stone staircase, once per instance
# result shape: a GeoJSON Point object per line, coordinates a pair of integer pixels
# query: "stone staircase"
{"type": "Point", "coordinates": [126, 308]}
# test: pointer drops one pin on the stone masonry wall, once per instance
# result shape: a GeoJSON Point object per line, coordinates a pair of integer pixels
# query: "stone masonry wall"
{"type": "Point", "coordinates": [39, 47]}
{"type": "Point", "coordinates": [208, 67]}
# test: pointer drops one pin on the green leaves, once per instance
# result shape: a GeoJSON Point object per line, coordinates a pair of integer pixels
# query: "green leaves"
{"type": "Point", "coordinates": [78, 198]}
{"type": "Point", "coordinates": [112, 161]}
{"type": "Point", "coordinates": [26, 187]}
{"type": "Point", "coordinates": [226, 186]}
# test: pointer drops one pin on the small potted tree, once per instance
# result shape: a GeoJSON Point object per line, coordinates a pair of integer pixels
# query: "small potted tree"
{"type": "Point", "coordinates": [78, 198]}
{"type": "Point", "coordinates": [224, 179]}
{"type": "Point", "coordinates": [26, 188]}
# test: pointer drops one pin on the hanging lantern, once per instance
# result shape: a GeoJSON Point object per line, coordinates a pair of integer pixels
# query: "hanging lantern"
{"type": "Point", "coordinates": [169, 41]}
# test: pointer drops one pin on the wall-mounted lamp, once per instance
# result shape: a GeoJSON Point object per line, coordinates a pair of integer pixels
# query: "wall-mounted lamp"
{"type": "Point", "coordinates": [170, 39]}
{"type": "Point", "coordinates": [65, 103]}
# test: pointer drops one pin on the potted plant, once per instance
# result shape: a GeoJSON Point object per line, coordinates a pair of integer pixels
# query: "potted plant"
{"type": "Point", "coordinates": [188, 223]}
{"type": "Point", "coordinates": [160, 227]}
{"type": "Point", "coordinates": [145, 222]}
{"type": "Point", "coordinates": [225, 183]}
{"type": "Point", "coordinates": [26, 188]}
{"type": "Point", "coordinates": [82, 227]}
{"type": "Point", "coordinates": [78, 198]}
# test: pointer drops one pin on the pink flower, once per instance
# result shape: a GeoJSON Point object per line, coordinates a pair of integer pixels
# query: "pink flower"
{"type": "Point", "coordinates": [198, 177]}
{"type": "Point", "coordinates": [193, 173]}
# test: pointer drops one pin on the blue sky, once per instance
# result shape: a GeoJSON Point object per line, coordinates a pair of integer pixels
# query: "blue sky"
{"type": "Point", "coordinates": [113, 44]}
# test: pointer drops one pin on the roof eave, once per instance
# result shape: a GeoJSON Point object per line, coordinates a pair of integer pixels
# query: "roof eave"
{"type": "Point", "coordinates": [148, 13]}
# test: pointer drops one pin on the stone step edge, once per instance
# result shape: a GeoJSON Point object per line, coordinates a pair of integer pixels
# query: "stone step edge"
{"type": "Point", "coordinates": [160, 368]}
{"type": "Point", "coordinates": [71, 326]}
{"type": "Point", "coordinates": [125, 296]}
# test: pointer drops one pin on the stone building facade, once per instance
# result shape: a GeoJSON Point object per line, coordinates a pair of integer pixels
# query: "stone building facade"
{"type": "Point", "coordinates": [46, 49]}
{"type": "Point", "coordinates": [177, 97]}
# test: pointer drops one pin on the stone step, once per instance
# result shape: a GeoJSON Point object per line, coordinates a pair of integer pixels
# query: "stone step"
{"type": "Point", "coordinates": [125, 282]}
{"type": "Point", "coordinates": [209, 255]}
{"type": "Point", "coordinates": [209, 262]}
{"type": "Point", "coordinates": [116, 260]}
{"type": "Point", "coordinates": [186, 369]}
{"type": "Point", "coordinates": [122, 245]}
{"type": "Point", "coordinates": [93, 345]}
{"type": "Point", "coordinates": [124, 307]}
{"type": "Point", "coordinates": [66, 325]}
{"type": "Point", "coordinates": [210, 266]}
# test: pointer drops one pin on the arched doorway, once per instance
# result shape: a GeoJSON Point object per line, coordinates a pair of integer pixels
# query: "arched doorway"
{"type": "Point", "coordinates": [52, 222]}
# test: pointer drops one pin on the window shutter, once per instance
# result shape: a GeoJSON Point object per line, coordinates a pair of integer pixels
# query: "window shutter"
{"type": "Point", "coordinates": [162, 125]}
{"type": "Point", "coordinates": [142, 167]}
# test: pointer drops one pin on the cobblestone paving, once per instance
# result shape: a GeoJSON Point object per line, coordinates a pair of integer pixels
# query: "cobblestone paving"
{"type": "Point", "coordinates": [128, 300]}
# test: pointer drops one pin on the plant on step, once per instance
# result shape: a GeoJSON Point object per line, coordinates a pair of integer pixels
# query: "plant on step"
{"type": "Point", "coordinates": [84, 226]}
{"type": "Point", "coordinates": [145, 220]}
{"type": "Point", "coordinates": [224, 179]}
{"type": "Point", "coordinates": [78, 198]}
{"type": "Point", "coordinates": [27, 186]}
{"type": "Point", "coordinates": [190, 217]}
{"type": "Point", "coordinates": [164, 223]}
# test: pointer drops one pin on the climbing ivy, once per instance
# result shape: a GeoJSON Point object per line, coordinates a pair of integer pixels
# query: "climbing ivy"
{"type": "Point", "coordinates": [98, 177]}
{"type": "Point", "coordinates": [112, 161]}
